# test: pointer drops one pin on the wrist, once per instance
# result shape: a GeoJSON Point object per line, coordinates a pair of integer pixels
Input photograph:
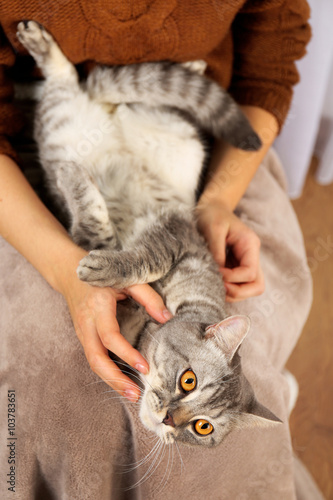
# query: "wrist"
{"type": "Point", "coordinates": [231, 169]}
{"type": "Point", "coordinates": [209, 198]}
{"type": "Point", "coordinates": [63, 277]}
{"type": "Point", "coordinates": [230, 172]}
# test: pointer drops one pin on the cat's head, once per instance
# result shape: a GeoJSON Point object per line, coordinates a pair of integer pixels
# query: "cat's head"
{"type": "Point", "coordinates": [195, 391]}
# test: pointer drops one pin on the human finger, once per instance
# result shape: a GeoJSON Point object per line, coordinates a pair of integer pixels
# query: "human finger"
{"type": "Point", "coordinates": [216, 238]}
{"type": "Point", "coordinates": [240, 274]}
{"type": "Point", "coordinates": [247, 254]}
{"type": "Point", "coordinates": [151, 301]}
{"type": "Point", "coordinates": [109, 333]}
{"type": "Point", "coordinates": [105, 368]}
{"type": "Point", "coordinates": [237, 292]}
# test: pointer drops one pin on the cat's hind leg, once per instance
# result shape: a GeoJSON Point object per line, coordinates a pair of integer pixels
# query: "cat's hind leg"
{"type": "Point", "coordinates": [91, 227]}
{"type": "Point", "coordinates": [46, 52]}
{"type": "Point", "coordinates": [61, 84]}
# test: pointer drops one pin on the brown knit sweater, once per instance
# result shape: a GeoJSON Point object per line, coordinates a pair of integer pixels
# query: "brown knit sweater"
{"type": "Point", "coordinates": [250, 46]}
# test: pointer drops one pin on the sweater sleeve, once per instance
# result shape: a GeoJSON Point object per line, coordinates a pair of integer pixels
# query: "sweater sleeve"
{"type": "Point", "coordinates": [269, 35]}
{"type": "Point", "coordinates": [11, 120]}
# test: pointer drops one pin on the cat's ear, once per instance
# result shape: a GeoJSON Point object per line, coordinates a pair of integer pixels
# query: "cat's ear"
{"type": "Point", "coordinates": [257, 416]}
{"type": "Point", "coordinates": [229, 334]}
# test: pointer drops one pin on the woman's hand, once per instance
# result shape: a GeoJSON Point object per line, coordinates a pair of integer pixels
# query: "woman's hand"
{"type": "Point", "coordinates": [235, 248]}
{"type": "Point", "coordinates": [93, 311]}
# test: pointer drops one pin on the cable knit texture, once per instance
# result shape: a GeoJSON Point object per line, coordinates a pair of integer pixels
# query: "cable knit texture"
{"type": "Point", "coordinates": [250, 46]}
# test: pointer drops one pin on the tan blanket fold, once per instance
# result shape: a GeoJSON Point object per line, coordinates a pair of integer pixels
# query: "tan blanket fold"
{"type": "Point", "coordinates": [75, 441]}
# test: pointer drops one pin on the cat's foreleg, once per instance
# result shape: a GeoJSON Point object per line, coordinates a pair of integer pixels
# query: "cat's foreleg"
{"type": "Point", "coordinates": [159, 248]}
{"type": "Point", "coordinates": [90, 222]}
{"type": "Point", "coordinates": [46, 52]}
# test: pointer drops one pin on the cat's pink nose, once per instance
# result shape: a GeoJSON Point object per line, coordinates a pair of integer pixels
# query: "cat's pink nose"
{"type": "Point", "coordinates": [168, 420]}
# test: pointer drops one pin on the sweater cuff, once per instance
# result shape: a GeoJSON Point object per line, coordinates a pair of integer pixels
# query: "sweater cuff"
{"type": "Point", "coordinates": [7, 149]}
{"type": "Point", "coordinates": [276, 103]}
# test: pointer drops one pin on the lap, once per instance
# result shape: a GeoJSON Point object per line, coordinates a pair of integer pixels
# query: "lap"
{"type": "Point", "coordinates": [67, 432]}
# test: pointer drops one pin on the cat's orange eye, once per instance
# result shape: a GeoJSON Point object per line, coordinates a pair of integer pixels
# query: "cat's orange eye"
{"type": "Point", "coordinates": [203, 427]}
{"type": "Point", "coordinates": [188, 381]}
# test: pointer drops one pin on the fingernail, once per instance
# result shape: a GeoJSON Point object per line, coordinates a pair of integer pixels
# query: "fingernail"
{"type": "Point", "coordinates": [167, 314]}
{"type": "Point", "coordinates": [142, 368]}
{"type": "Point", "coordinates": [131, 395]}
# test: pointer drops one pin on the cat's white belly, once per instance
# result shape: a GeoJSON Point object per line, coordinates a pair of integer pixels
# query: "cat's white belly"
{"type": "Point", "coordinates": [88, 134]}
{"type": "Point", "coordinates": [168, 146]}
{"type": "Point", "coordinates": [128, 143]}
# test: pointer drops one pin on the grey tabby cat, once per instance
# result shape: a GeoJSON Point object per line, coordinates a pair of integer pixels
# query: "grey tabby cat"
{"type": "Point", "coordinates": [124, 154]}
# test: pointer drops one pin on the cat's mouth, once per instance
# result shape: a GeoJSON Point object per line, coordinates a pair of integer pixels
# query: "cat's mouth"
{"type": "Point", "coordinates": [156, 424]}
{"type": "Point", "coordinates": [149, 419]}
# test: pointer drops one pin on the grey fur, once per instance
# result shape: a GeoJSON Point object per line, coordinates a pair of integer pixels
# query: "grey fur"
{"type": "Point", "coordinates": [131, 200]}
{"type": "Point", "coordinates": [175, 85]}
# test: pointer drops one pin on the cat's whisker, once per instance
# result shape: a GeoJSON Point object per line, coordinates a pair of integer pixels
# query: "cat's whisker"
{"type": "Point", "coordinates": [171, 465]}
{"type": "Point", "coordinates": [146, 331]}
{"type": "Point", "coordinates": [147, 460]}
{"type": "Point", "coordinates": [155, 451]}
{"type": "Point", "coordinates": [181, 460]}
{"type": "Point", "coordinates": [127, 366]}
{"type": "Point", "coordinates": [234, 418]}
{"type": "Point", "coordinates": [235, 367]}
{"type": "Point", "coordinates": [144, 459]}
{"type": "Point", "coordinates": [108, 380]}
{"type": "Point", "coordinates": [122, 398]}
{"type": "Point", "coordinates": [143, 378]}
{"type": "Point", "coordinates": [148, 383]}
{"type": "Point", "coordinates": [163, 481]}
{"type": "Point", "coordinates": [156, 441]}
{"type": "Point", "coordinates": [105, 400]}
{"type": "Point", "coordinates": [161, 456]}
{"type": "Point", "coordinates": [151, 468]}
{"type": "Point", "coordinates": [127, 382]}
{"type": "Point", "coordinates": [132, 375]}
{"type": "Point", "coordinates": [103, 381]}
{"type": "Point", "coordinates": [232, 379]}
{"type": "Point", "coordinates": [130, 384]}
{"type": "Point", "coordinates": [221, 381]}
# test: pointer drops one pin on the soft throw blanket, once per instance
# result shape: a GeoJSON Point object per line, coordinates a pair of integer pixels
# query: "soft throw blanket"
{"type": "Point", "coordinates": [75, 442]}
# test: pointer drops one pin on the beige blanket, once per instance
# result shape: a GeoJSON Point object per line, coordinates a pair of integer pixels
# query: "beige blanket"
{"type": "Point", "coordinates": [76, 441]}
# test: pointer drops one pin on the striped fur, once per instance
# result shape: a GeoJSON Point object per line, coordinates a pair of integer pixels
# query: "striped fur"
{"type": "Point", "coordinates": [124, 155]}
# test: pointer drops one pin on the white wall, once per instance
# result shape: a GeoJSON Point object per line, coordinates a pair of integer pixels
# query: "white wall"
{"type": "Point", "coordinates": [297, 141]}
{"type": "Point", "coordinates": [324, 144]}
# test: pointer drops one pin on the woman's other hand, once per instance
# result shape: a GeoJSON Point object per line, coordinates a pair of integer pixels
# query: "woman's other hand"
{"type": "Point", "coordinates": [235, 247]}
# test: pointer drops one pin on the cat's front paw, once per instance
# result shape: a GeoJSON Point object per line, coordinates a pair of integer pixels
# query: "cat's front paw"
{"type": "Point", "coordinates": [103, 268]}
{"type": "Point", "coordinates": [94, 268]}
{"type": "Point", "coordinates": [35, 39]}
